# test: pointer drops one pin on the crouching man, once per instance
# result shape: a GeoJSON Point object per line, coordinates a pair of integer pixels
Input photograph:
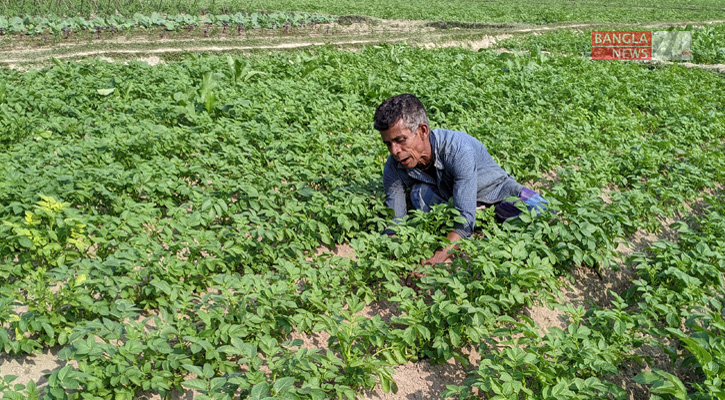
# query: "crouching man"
{"type": "Point", "coordinates": [437, 165]}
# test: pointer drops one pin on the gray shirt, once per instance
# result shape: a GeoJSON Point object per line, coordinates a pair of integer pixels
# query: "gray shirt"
{"type": "Point", "coordinates": [464, 171]}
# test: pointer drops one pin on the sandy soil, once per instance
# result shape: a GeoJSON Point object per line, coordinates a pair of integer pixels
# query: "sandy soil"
{"type": "Point", "coordinates": [421, 380]}
{"type": "Point", "coordinates": [33, 367]}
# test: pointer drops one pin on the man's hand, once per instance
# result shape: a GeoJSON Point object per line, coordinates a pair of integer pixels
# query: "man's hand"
{"type": "Point", "coordinates": [439, 257]}
{"type": "Point", "coordinates": [442, 255]}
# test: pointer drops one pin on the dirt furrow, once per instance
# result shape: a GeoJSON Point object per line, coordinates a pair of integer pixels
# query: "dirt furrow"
{"type": "Point", "coordinates": [417, 33]}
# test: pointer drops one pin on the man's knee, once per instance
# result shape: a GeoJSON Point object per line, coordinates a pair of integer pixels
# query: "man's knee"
{"type": "Point", "coordinates": [533, 200]}
{"type": "Point", "coordinates": [507, 209]}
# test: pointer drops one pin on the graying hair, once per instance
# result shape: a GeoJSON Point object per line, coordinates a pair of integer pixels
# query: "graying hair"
{"type": "Point", "coordinates": [403, 106]}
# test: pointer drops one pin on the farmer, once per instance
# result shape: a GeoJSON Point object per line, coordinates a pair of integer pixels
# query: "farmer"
{"type": "Point", "coordinates": [439, 164]}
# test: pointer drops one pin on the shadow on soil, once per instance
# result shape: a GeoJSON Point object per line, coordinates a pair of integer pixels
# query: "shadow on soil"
{"type": "Point", "coordinates": [35, 367]}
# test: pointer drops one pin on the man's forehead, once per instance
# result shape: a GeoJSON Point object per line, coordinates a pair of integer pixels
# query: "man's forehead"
{"type": "Point", "coordinates": [389, 136]}
{"type": "Point", "coordinates": [397, 130]}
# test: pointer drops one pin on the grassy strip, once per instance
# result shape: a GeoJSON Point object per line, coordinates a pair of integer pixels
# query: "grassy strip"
{"type": "Point", "coordinates": [526, 11]}
{"type": "Point", "coordinates": [55, 25]}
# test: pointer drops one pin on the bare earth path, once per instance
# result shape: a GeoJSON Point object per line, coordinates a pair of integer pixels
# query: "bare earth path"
{"type": "Point", "coordinates": [157, 45]}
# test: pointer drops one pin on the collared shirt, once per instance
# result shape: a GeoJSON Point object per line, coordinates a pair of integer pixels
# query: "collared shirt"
{"type": "Point", "coordinates": [464, 171]}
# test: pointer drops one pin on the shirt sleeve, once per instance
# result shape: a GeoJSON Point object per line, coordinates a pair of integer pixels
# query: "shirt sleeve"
{"type": "Point", "coordinates": [465, 186]}
{"type": "Point", "coordinates": [394, 193]}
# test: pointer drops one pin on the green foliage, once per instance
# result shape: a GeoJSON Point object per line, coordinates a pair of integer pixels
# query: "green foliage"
{"type": "Point", "coordinates": [679, 295]}
{"type": "Point", "coordinates": [708, 44]}
{"type": "Point", "coordinates": [53, 24]}
{"type": "Point", "coordinates": [540, 12]}
{"type": "Point", "coordinates": [18, 391]}
{"type": "Point", "coordinates": [520, 364]}
{"type": "Point", "coordinates": [177, 241]}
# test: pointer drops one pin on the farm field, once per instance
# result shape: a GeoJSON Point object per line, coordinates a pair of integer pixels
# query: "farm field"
{"type": "Point", "coordinates": [210, 227]}
{"type": "Point", "coordinates": [536, 12]}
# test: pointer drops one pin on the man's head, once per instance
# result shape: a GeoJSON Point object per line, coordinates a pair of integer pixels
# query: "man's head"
{"type": "Point", "coordinates": [403, 106]}
{"type": "Point", "coordinates": [403, 126]}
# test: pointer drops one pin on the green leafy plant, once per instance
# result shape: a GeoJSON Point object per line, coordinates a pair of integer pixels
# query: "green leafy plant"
{"type": "Point", "coordinates": [18, 391]}
{"type": "Point", "coordinates": [196, 214]}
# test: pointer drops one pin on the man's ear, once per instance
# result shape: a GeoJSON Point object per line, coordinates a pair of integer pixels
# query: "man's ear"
{"type": "Point", "coordinates": [424, 130]}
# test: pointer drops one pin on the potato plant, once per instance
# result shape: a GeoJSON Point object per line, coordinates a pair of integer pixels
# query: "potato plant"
{"type": "Point", "coordinates": [65, 26]}
{"type": "Point", "coordinates": [163, 224]}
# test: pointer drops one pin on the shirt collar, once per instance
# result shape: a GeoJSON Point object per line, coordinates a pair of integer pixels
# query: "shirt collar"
{"type": "Point", "coordinates": [436, 160]}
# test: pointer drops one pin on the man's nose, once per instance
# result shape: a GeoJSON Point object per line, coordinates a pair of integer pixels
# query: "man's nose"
{"type": "Point", "coordinates": [394, 149]}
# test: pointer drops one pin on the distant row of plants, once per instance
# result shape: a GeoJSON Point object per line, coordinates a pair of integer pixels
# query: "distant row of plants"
{"type": "Point", "coordinates": [53, 24]}
{"type": "Point", "coordinates": [532, 12]}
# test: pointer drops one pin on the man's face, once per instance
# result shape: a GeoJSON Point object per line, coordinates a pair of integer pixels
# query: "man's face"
{"type": "Point", "coordinates": [405, 146]}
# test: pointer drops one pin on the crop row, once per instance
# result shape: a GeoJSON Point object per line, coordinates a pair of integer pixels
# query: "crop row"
{"type": "Point", "coordinates": [537, 12]}
{"type": "Point", "coordinates": [161, 223]}
{"type": "Point", "coordinates": [53, 24]}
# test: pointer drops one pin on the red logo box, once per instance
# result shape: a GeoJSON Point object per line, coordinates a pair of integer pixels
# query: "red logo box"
{"type": "Point", "coordinates": [622, 45]}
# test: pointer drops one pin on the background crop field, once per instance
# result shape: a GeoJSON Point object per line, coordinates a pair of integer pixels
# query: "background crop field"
{"type": "Point", "coordinates": [536, 12]}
